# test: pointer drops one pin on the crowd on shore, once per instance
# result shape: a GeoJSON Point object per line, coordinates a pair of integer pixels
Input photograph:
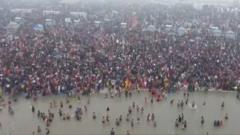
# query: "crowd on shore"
{"type": "Point", "coordinates": [90, 56]}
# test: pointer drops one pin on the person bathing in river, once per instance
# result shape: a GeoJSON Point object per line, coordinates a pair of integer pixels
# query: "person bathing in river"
{"type": "Point", "coordinates": [202, 120]}
{"type": "Point", "coordinates": [222, 105]}
{"type": "Point", "coordinates": [94, 116]}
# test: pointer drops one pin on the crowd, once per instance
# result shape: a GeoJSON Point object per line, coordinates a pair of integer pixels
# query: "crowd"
{"type": "Point", "coordinates": [89, 56]}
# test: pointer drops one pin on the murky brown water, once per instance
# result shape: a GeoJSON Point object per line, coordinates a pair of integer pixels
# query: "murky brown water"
{"type": "Point", "coordinates": [24, 122]}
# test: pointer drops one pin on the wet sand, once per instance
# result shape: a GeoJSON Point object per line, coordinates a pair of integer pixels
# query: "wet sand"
{"type": "Point", "coordinates": [23, 122]}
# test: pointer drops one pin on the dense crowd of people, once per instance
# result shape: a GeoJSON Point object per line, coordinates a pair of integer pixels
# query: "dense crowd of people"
{"type": "Point", "coordinates": [101, 51]}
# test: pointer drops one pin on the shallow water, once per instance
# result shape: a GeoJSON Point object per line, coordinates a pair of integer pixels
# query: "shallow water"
{"type": "Point", "coordinates": [23, 122]}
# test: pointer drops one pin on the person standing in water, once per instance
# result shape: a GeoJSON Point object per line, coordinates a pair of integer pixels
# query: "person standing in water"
{"type": "Point", "coordinates": [112, 132]}
{"type": "Point", "coordinates": [202, 120]}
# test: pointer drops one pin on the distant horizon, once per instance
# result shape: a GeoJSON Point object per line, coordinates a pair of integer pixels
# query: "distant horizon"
{"type": "Point", "coordinates": [167, 2]}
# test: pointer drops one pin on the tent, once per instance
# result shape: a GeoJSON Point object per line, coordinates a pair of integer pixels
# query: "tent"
{"type": "Point", "coordinates": [38, 27]}
{"type": "Point", "coordinates": [21, 11]}
{"type": "Point", "coordinates": [150, 28]}
{"type": "Point", "coordinates": [76, 21]}
{"type": "Point", "coordinates": [216, 31]}
{"type": "Point", "coordinates": [168, 27]}
{"type": "Point", "coordinates": [68, 20]}
{"type": "Point", "coordinates": [97, 23]}
{"type": "Point", "coordinates": [12, 27]}
{"type": "Point", "coordinates": [18, 19]}
{"type": "Point", "coordinates": [51, 12]}
{"type": "Point", "coordinates": [230, 35]}
{"type": "Point", "coordinates": [49, 22]}
{"type": "Point", "coordinates": [181, 31]}
{"type": "Point", "coordinates": [123, 25]}
{"type": "Point", "coordinates": [79, 14]}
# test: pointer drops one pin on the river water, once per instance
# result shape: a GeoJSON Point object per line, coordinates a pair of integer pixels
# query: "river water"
{"type": "Point", "coordinates": [23, 122]}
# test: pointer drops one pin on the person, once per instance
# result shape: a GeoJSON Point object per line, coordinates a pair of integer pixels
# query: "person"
{"type": "Point", "coordinates": [108, 109]}
{"type": "Point", "coordinates": [129, 110]}
{"type": "Point", "coordinates": [120, 118]}
{"type": "Point", "coordinates": [10, 110]}
{"type": "Point", "coordinates": [127, 118]}
{"type": "Point", "coordinates": [54, 104]}
{"type": "Point", "coordinates": [148, 117]}
{"type": "Point", "coordinates": [85, 108]}
{"type": "Point", "coordinates": [132, 123]}
{"type": "Point", "coordinates": [138, 108]}
{"type": "Point", "coordinates": [126, 93]}
{"type": "Point", "coordinates": [67, 101]}
{"type": "Point", "coordinates": [182, 116]}
{"type": "Point", "coordinates": [176, 123]}
{"type": "Point", "coordinates": [51, 105]}
{"type": "Point", "coordinates": [155, 124]}
{"type": "Point", "coordinates": [33, 109]}
{"type": "Point", "coordinates": [171, 101]}
{"type": "Point", "coordinates": [117, 123]}
{"type": "Point", "coordinates": [153, 117]}
{"type": "Point", "coordinates": [88, 101]}
{"type": "Point", "coordinates": [112, 132]}
{"type": "Point", "coordinates": [60, 112]}
{"type": "Point", "coordinates": [138, 119]}
{"type": "Point", "coordinates": [130, 94]}
{"type": "Point", "coordinates": [202, 120]}
{"type": "Point", "coordinates": [226, 116]}
{"type": "Point", "coordinates": [204, 103]}
{"type": "Point", "coordinates": [186, 102]}
{"type": "Point", "coordinates": [128, 132]}
{"type": "Point", "coordinates": [103, 120]}
{"type": "Point", "coordinates": [107, 118]}
{"type": "Point", "coordinates": [38, 114]}
{"type": "Point", "coordinates": [47, 131]}
{"type": "Point", "coordinates": [193, 104]}
{"type": "Point", "coordinates": [142, 110]}
{"type": "Point", "coordinates": [220, 123]}
{"type": "Point", "coordinates": [185, 124]}
{"type": "Point", "coordinates": [179, 119]}
{"type": "Point", "coordinates": [70, 106]}
{"type": "Point", "coordinates": [68, 116]}
{"type": "Point", "coordinates": [151, 100]}
{"type": "Point", "coordinates": [214, 123]}
{"type": "Point", "coordinates": [78, 98]}
{"type": "Point", "coordinates": [61, 104]}
{"type": "Point", "coordinates": [222, 105]}
{"type": "Point", "coordinates": [145, 100]}
{"type": "Point", "coordinates": [182, 104]}
{"type": "Point", "coordinates": [39, 129]}
{"type": "Point", "coordinates": [94, 116]}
